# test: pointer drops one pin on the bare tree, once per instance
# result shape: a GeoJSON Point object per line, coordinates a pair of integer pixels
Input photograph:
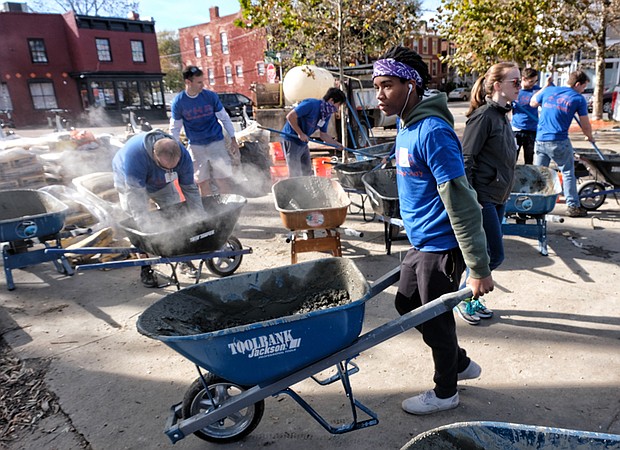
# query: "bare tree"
{"type": "Point", "coordinates": [111, 8]}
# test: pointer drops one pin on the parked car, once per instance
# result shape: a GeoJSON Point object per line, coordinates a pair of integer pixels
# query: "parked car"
{"type": "Point", "coordinates": [461, 93]}
{"type": "Point", "coordinates": [431, 92]}
{"type": "Point", "coordinates": [607, 98]}
{"type": "Point", "coordinates": [234, 103]}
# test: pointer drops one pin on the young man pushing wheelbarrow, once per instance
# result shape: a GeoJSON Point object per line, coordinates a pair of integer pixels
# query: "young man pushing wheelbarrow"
{"type": "Point", "coordinates": [441, 217]}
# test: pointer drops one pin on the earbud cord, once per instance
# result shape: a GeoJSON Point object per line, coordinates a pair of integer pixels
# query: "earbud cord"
{"type": "Point", "coordinates": [402, 123]}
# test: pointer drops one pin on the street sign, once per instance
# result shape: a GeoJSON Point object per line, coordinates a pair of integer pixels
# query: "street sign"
{"type": "Point", "coordinates": [271, 73]}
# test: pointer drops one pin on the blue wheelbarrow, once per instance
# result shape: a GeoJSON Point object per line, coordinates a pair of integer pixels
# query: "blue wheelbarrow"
{"type": "Point", "coordinates": [503, 435]}
{"type": "Point", "coordinates": [258, 333]}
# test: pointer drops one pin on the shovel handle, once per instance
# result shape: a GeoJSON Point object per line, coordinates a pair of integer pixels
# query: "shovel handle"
{"type": "Point", "coordinates": [316, 141]}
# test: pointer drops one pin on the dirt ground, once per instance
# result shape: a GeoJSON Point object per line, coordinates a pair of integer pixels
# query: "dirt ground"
{"type": "Point", "coordinates": [549, 356]}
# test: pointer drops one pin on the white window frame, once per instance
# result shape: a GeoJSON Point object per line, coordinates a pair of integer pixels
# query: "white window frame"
{"type": "Point", "coordinates": [197, 51]}
{"type": "Point", "coordinates": [228, 74]}
{"type": "Point", "coordinates": [43, 95]}
{"type": "Point", "coordinates": [224, 42]}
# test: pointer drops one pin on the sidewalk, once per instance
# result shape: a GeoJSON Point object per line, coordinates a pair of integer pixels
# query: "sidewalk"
{"type": "Point", "coordinates": [549, 356]}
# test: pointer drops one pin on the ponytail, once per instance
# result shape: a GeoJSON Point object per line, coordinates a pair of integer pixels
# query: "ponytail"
{"type": "Point", "coordinates": [478, 96]}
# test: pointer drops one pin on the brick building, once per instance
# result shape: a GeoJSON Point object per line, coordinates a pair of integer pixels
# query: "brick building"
{"type": "Point", "coordinates": [94, 67]}
{"type": "Point", "coordinates": [430, 46]}
{"type": "Point", "coordinates": [232, 58]}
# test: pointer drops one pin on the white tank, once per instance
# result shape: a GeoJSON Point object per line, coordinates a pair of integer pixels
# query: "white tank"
{"type": "Point", "coordinates": [302, 82]}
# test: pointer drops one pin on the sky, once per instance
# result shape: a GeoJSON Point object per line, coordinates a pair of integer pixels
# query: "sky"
{"type": "Point", "coordinates": [172, 15]}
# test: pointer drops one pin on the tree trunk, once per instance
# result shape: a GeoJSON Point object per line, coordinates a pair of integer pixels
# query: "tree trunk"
{"type": "Point", "coordinates": [599, 80]}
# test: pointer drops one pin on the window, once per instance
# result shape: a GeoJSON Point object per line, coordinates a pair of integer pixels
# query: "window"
{"type": "Point", "coordinates": [43, 96]}
{"type": "Point", "coordinates": [228, 71]}
{"type": "Point", "coordinates": [211, 76]}
{"type": "Point", "coordinates": [137, 51]}
{"type": "Point", "coordinates": [434, 46]}
{"type": "Point", "coordinates": [224, 40]}
{"type": "Point", "coordinates": [37, 50]}
{"type": "Point", "coordinates": [416, 45]}
{"type": "Point", "coordinates": [434, 69]}
{"type": "Point", "coordinates": [239, 70]}
{"type": "Point", "coordinates": [260, 68]}
{"type": "Point", "coordinates": [425, 46]}
{"type": "Point", "coordinates": [197, 47]}
{"type": "Point", "coordinates": [5, 98]}
{"type": "Point", "coordinates": [127, 93]}
{"type": "Point", "coordinates": [208, 48]}
{"type": "Point", "coordinates": [103, 49]}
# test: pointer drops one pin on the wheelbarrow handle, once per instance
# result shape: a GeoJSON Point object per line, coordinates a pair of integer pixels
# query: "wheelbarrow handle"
{"type": "Point", "coordinates": [596, 149]}
{"type": "Point", "coordinates": [317, 141]}
{"type": "Point", "coordinates": [383, 283]}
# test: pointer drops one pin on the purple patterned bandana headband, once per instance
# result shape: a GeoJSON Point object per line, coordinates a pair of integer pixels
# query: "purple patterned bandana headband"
{"type": "Point", "coordinates": [392, 68]}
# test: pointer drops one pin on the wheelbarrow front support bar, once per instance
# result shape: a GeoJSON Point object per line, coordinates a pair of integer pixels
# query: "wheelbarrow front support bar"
{"type": "Point", "coordinates": [177, 429]}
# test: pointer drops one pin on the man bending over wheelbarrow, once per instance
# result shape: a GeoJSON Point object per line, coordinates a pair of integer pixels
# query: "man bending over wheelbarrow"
{"type": "Point", "coordinates": [441, 217]}
{"type": "Point", "coordinates": [146, 168]}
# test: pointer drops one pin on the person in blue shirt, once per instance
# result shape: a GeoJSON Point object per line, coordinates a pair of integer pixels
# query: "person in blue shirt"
{"type": "Point", "coordinates": [558, 106]}
{"type": "Point", "coordinates": [524, 117]}
{"type": "Point", "coordinates": [145, 169]}
{"type": "Point", "coordinates": [441, 215]}
{"type": "Point", "coordinates": [301, 122]}
{"type": "Point", "coordinates": [199, 111]}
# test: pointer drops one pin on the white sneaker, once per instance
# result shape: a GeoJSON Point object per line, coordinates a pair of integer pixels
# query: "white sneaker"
{"type": "Point", "coordinates": [471, 372]}
{"type": "Point", "coordinates": [428, 403]}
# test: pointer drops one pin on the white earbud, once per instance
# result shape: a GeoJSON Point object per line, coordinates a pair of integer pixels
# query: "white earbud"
{"type": "Point", "coordinates": [410, 87]}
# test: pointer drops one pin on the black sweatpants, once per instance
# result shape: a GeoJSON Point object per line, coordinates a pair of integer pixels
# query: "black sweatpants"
{"type": "Point", "coordinates": [527, 140]}
{"type": "Point", "coordinates": [424, 277]}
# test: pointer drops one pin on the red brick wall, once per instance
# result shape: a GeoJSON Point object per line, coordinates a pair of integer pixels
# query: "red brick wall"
{"type": "Point", "coordinates": [69, 49]}
{"type": "Point", "coordinates": [246, 48]}
{"type": "Point", "coordinates": [16, 67]}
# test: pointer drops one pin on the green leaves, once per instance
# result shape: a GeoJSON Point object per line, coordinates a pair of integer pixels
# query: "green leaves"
{"type": "Point", "coordinates": [308, 30]}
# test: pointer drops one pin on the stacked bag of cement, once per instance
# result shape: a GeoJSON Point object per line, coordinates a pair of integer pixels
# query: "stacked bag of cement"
{"type": "Point", "coordinates": [20, 169]}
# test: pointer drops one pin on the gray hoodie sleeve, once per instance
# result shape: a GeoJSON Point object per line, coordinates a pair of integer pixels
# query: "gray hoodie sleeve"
{"type": "Point", "coordinates": [466, 219]}
{"type": "Point", "coordinates": [192, 196]}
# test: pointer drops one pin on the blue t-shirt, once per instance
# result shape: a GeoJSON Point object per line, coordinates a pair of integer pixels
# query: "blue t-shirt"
{"type": "Point", "coordinates": [133, 166]}
{"type": "Point", "coordinates": [428, 153]}
{"type": "Point", "coordinates": [198, 115]}
{"type": "Point", "coordinates": [308, 118]}
{"type": "Point", "coordinates": [524, 117]}
{"type": "Point", "coordinates": [558, 106]}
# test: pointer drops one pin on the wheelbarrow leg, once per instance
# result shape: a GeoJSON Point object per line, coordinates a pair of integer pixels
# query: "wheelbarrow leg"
{"type": "Point", "coordinates": [542, 235]}
{"type": "Point", "coordinates": [7, 270]}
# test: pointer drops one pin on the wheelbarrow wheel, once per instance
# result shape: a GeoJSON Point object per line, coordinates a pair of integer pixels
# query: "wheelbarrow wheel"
{"type": "Point", "coordinates": [592, 188]}
{"type": "Point", "coordinates": [230, 429]}
{"type": "Point", "coordinates": [226, 265]}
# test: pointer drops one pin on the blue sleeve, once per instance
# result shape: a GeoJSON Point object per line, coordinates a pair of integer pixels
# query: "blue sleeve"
{"type": "Point", "coordinates": [186, 168]}
{"type": "Point", "coordinates": [175, 109]}
{"type": "Point", "coordinates": [135, 164]}
{"type": "Point", "coordinates": [582, 106]}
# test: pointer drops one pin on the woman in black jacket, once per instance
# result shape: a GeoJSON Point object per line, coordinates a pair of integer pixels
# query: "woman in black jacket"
{"type": "Point", "coordinates": [490, 153]}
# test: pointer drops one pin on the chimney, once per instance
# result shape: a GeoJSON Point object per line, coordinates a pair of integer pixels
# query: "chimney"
{"type": "Point", "coordinates": [214, 12]}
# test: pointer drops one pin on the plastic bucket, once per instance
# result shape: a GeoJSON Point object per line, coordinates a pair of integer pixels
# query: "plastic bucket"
{"type": "Point", "coordinates": [276, 152]}
{"type": "Point", "coordinates": [322, 167]}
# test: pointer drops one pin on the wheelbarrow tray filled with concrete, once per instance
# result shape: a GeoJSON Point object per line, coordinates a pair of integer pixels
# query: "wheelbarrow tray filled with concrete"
{"type": "Point", "coordinates": [306, 203]}
{"type": "Point", "coordinates": [26, 214]}
{"type": "Point", "coordinates": [256, 327]}
{"type": "Point", "coordinates": [177, 231]}
{"type": "Point", "coordinates": [258, 334]}
{"type": "Point", "coordinates": [535, 190]}
{"type": "Point", "coordinates": [502, 435]}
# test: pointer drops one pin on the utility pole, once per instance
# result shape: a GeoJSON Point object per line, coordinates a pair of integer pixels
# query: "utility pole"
{"type": "Point", "coordinates": [343, 109]}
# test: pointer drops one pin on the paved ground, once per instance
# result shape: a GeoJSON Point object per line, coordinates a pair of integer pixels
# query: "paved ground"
{"type": "Point", "coordinates": [549, 356]}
